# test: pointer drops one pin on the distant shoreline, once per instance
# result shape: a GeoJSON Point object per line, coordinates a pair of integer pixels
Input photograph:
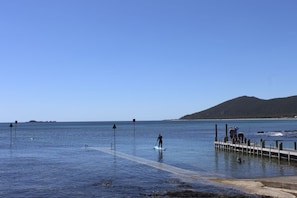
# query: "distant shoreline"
{"type": "Point", "coordinates": [287, 118]}
{"type": "Point", "coordinates": [172, 120]}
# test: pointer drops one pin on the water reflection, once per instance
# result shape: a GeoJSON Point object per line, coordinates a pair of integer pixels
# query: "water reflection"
{"type": "Point", "coordinates": [160, 156]}
{"type": "Point", "coordinates": [250, 165]}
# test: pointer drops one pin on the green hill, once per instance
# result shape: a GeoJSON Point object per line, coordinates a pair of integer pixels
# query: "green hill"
{"type": "Point", "coordinates": [249, 107]}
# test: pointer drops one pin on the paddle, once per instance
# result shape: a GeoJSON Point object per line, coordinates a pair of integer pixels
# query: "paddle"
{"type": "Point", "coordinates": [156, 142]}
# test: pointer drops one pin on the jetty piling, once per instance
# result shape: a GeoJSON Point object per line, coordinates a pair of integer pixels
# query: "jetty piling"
{"type": "Point", "coordinates": [216, 129]}
{"type": "Point", "coordinates": [226, 136]}
{"type": "Point", "coordinates": [10, 125]}
{"type": "Point", "coordinates": [276, 151]}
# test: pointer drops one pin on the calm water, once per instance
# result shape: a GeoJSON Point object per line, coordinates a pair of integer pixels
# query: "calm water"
{"type": "Point", "coordinates": [54, 159]}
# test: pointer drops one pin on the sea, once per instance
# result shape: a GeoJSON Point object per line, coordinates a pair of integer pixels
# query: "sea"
{"type": "Point", "coordinates": [118, 159]}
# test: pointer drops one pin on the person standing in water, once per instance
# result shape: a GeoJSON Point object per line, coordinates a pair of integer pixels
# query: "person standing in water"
{"type": "Point", "coordinates": [160, 140]}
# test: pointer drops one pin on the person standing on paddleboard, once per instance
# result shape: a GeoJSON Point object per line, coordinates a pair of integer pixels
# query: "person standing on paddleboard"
{"type": "Point", "coordinates": [160, 140]}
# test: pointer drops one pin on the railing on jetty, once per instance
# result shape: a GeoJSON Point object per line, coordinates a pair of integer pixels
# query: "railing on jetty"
{"type": "Point", "coordinates": [247, 147]}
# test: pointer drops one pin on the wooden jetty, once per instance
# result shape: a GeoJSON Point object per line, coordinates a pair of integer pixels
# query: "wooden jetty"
{"type": "Point", "coordinates": [260, 149]}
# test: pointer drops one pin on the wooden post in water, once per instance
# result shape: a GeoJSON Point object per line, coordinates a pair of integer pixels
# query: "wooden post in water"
{"type": "Point", "coordinates": [16, 123]}
{"type": "Point", "coordinates": [280, 146]}
{"type": "Point", "coordinates": [134, 126]}
{"type": "Point", "coordinates": [289, 157]}
{"type": "Point", "coordinates": [114, 139]}
{"type": "Point", "coordinates": [10, 134]}
{"type": "Point", "coordinates": [262, 143]}
{"type": "Point", "coordinates": [216, 129]}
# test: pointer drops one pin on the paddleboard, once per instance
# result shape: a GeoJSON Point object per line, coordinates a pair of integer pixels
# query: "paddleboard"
{"type": "Point", "coordinates": [159, 148]}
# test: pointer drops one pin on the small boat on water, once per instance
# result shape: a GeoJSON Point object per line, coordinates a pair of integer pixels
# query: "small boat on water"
{"type": "Point", "coordinates": [284, 133]}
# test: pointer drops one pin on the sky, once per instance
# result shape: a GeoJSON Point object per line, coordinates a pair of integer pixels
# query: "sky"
{"type": "Point", "coordinates": [118, 60]}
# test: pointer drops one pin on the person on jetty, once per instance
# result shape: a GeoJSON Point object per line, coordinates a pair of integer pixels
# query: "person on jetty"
{"type": "Point", "coordinates": [160, 140]}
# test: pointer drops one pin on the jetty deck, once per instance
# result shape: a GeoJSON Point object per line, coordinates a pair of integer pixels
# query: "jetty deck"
{"type": "Point", "coordinates": [246, 146]}
{"type": "Point", "coordinates": [254, 149]}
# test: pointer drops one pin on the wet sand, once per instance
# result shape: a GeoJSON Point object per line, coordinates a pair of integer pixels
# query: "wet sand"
{"type": "Point", "coordinates": [281, 187]}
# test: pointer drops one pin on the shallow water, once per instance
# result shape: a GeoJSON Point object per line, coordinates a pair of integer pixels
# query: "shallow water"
{"type": "Point", "coordinates": [55, 159]}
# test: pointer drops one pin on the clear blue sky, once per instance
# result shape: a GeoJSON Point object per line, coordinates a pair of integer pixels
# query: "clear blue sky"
{"type": "Point", "coordinates": [97, 60]}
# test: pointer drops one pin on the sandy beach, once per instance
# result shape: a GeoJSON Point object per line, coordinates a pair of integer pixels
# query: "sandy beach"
{"type": "Point", "coordinates": [281, 187]}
